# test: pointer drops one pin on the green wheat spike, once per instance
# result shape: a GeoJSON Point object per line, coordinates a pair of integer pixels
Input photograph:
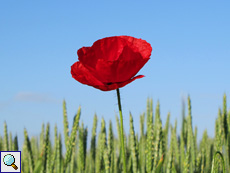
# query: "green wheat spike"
{"type": "Point", "coordinates": [133, 142]}
{"type": "Point", "coordinates": [15, 143]}
{"type": "Point", "coordinates": [203, 151]}
{"type": "Point", "coordinates": [219, 132]}
{"type": "Point", "coordinates": [150, 138]}
{"type": "Point", "coordinates": [66, 124]}
{"type": "Point", "coordinates": [119, 134]}
{"type": "Point", "coordinates": [80, 155]}
{"type": "Point", "coordinates": [161, 150]}
{"type": "Point", "coordinates": [160, 165]}
{"type": "Point", "coordinates": [142, 145]}
{"type": "Point", "coordinates": [158, 151]}
{"type": "Point", "coordinates": [200, 161]}
{"type": "Point", "coordinates": [222, 162]}
{"type": "Point", "coordinates": [221, 127]}
{"type": "Point", "coordinates": [54, 154]}
{"type": "Point", "coordinates": [36, 155]}
{"type": "Point", "coordinates": [129, 165]}
{"type": "Point", "coordinates": [72, 162]}
{"type": "Point", "coordinates": [195, 140]}
{"type": "Point", "coordinates": [191, 141]}
{"type": "Point", "coordinates": [142, 123]}
{"type": "Point", "coordinates": [228, 121]}
{"type": "Point", "coordinates": [149, 148]}
{"type": "Point", "coordinates": [48, 157]}
{"type": "Point", "coordinates": [85, 134]}
{"type": "Point", "coordinates": [128, 153]}
{"type": "Point", "coordinates": [112, 162]}
{"type": "Point", "coordinates": [225, 155]}
{"type": "Point", "coordinates": [206, 144]}
{"type": "Point", "coordinates": [170, 155]}
{"type": "Point", "coordinates": [10, 142]}
{"type": "Point", "coordinates": [137, 149]}
{"type": "Point", "coordinates": [225, 123]}
{"type": "Point", "coordinates": [6, 143]}
{"type": "Point", "coordinates": [157, 116]}
{"type": "Point", "coordinates": [34, 148]}
{"type": "Point", "coordinates": [80, 159]}
{"type": "Point", "coordinates": [182, 151]}
{"type": "Point", "coordinates": [175, 146]}
{"type": "Point", "coordinates": [195, 148]}
{"type": "Point", "coordinates": [212, 151]}
{"type": "Point", "coordinates": [119, 157]}
{"type": "Point", "coordinates": [68, 167]}
{"type": "Point", "coordinates": [228, 139]}
{"type": "Point", "coordinates": [62, 166]}
{"type": "Point", "coordinates": [115, 157]}
{"type": "Point", "coordinates": [184, 123]}
{"type": "Point", "coordinates": [110, 146]}
{"type": "Point", "coordinates": [226, 152]}
{"type": "Point", "coordinates": [106, 160]}
{"type": "Point", "coordinates": [45, 156]}
{"type": "Point", "coordinates": [38, 166]}
{"type": "Point", "coordinates": [103, 141]}
{"type": "Point", "coordinates": [100, 148]}
{"type": "Point", "coordinates": [45, 148]}
{"type": "Point", "coordinates": [42, 138]}
{"type": "Point", "coordinates": [186, 167]}
{"type": "Point", "coordinates": [72, 138]}
{"type": "Point", "coordinates": [225, 126]}
{"type": "Point", "coordinates": [148, 108]}
{"type": "Point", "coordinates": [156, 127]}
{"type": "Point", "coordinates": [59, 154]}
{"type": "Point", "coordinates": [151, 109]}
{"type": "Point", "coordinates": [25, 160]}
{"type": "Point", "coordinates": [189, 146]}
{"type": "Point", "coordinates": [205, 166]}
{"type": "Point", "coordinates": [165, 132]}
{"type": "Point", "coordinates": [93, 143]}
{"type": "Point", "coordinates": [88, 166]}
{"type": "Point", "coordinates": [29, 151]}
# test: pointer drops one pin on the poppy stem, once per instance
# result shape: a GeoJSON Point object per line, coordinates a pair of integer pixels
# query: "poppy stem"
{"type": "Point", "coordinates": [122, 132]}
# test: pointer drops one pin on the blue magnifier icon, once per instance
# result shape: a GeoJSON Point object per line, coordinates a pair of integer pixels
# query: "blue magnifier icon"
{"type": "Point", "coordinates": [9, 160]}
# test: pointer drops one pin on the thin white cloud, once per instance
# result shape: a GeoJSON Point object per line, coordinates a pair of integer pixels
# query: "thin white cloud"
{"type": "Point", "coordinates": [35, 97]}
{"type": "Point", "coordinates": [4, 105]}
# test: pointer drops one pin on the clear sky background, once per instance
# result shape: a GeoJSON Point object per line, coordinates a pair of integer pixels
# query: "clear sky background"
{"type": "Point", "coordinates": [39, 41]}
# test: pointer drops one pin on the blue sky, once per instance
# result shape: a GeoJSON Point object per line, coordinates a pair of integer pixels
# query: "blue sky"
{"type": "Point", "coordinates": [39, 41]}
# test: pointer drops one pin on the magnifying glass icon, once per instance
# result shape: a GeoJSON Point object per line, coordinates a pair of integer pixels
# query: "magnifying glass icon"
{"type": "Point", "coordinates": [9, 160]}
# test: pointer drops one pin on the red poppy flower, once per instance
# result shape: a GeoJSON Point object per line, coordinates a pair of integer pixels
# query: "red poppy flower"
{"type": "Point", "coordinates": [111, 62]}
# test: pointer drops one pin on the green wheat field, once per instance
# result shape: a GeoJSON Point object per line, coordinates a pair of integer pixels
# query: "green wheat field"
{"type": "Point", "coordinates": [155, 148]}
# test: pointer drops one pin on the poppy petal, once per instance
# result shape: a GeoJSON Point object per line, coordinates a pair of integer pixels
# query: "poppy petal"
{"type": "Point", "coordinates": [127, 66]}
{"type": "Point", "coordinates": [83, 75]}
{"type": "Point", "coordinates": [113, 86]}
{"type": "Point", "coordinates": [141, 46]}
